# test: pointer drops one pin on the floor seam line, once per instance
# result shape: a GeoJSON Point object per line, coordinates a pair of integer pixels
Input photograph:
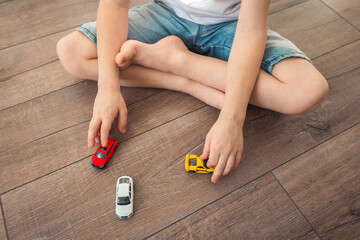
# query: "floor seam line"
{"type": "Point", "coordinates": [7, 78]}
{"type": "Point", "coordinates": [315, 146]}
{"type": "Point", "coordinates": [292, 200]}
{"type": "Point", "coordinates": [57, 90]}
{"type": "Point", "coordinates": [270, 171]}
{"type": "Point", "coordinates": [337, 48]}
{"type": "Point", "coordinates": [34, 39]}
{"type": "Point", "coordinates": [288, 7]}
{"type": "Point", "coordinates": [341, 74]}
{"type": "Point", "coordinates": [35, 179]}
{"type": "Point", "coordinates": [3, 216]}
{"type": "Point", "coordinates": [74, 125]}
{"type": "Point", "coordinates": [60, 130]}
{"type": "Point", "coordinates": [215, 200]}
{"type": "Point", "coordinates": [340, 15]}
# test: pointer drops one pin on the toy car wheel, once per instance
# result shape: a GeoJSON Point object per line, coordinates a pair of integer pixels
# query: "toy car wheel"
{"type": "Point", "coordinates": [191, 171]}
{"type": "Point", "coordinates": [102, 166]}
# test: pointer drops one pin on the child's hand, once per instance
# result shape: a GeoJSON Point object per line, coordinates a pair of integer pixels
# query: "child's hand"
{"type": "Point", "coordinates": [108, 105]}
{"type": "Point", "coordinates": [223, 147]}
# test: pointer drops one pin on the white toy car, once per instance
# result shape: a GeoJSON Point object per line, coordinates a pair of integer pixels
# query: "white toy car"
{"type": "Point", "coordinates": [124, 197]}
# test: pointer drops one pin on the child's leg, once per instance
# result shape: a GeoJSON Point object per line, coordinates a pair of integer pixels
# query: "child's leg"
{"type": "Point", "coordinates": [79, 57]}
{"type": "Point", "coordinates": [295, 85]}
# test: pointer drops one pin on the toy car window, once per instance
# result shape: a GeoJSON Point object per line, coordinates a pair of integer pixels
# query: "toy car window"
{"type": "Point", "coordinates": [192, 162]}
{"type": "Point", "coordinates": [103, 148]}
{"type": "Point", "coordinates": [109, 150]}
{"type": "Point", "coordinates": [201, 167]}
{"type": "Point", "coordinates": [124, 180]}
{"type": "Point", "coordinates": [100, 155]}
{"type": "Point", "coordinates": [123, 201]}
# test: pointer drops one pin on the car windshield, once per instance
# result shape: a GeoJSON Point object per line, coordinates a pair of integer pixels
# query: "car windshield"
{"type": "Point", "coordinates": [192, 162]}
{"type": "Point", "coordinates": [124, 180]}
{"type": "Point", "coordinates": [123, 201]}
{"type": "Point", "coordinates": [100, 155]}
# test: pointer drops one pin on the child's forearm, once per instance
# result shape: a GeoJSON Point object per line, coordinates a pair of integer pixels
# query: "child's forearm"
{"type": "Point", "coordinates": [112, 30]}
{"type": "Point", "coordinates": [245, 57]}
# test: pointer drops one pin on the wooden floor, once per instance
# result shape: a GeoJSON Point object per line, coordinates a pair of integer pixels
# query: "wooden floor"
{"type": "Point", "coordinates": [299, 177]}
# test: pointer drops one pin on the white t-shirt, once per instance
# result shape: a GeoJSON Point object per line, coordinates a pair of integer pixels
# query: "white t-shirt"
{"type": "Point", "coordinates": [206, 11]}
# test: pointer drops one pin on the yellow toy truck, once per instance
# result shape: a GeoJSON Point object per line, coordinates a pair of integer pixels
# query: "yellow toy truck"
{"type": "Point", "coordinates": [195, 164]}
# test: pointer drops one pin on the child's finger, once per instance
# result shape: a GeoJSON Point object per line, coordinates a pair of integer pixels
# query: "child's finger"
{"type": "Point", "coordinates": [206, 150]}
{"type": "Point", "coordinates": [105, 129]}
{"type": "Point", "coordinates": [229, 164]}
{"type": "Point", "coordinates": [237, 158]}
{"type": "Point", "coordinates": [213, 158]}
{"type": "Point", "coordinates": [97, 138]}
{"type": "Point", "coordinates": [122, 121]}
{"type": "Point", "coordinates": [219, 169]}
{"type": "Point", "coordinates": [93, 129]}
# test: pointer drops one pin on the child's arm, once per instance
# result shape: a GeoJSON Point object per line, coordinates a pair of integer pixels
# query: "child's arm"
{"type": "Point", "coordinates": [224, 142]}
{"type": "Point", "coordinates": [112, 30]}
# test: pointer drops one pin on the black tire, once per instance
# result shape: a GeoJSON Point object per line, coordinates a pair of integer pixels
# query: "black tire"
{"type": "Point", "coordinates": [191, 171]}
{"type": "Point", "coordinates": [102, 166]}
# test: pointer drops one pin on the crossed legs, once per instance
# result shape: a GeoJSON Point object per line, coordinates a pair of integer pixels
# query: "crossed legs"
{"type": "Point", "coordinates": [295, 85]}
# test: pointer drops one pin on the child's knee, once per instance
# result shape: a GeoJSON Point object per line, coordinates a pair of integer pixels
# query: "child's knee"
{"type": "Point", "coordinates": [66, 50]}
{"type": "Point", "coordinates": [304, 99]}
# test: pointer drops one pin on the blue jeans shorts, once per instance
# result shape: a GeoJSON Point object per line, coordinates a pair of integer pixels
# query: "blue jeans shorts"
{"type": "Point", "coordinates": [153, 21]}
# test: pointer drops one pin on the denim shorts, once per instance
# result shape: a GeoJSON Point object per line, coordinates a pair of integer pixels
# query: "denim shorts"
{"type": "Point", "coordinates": [153, 21]}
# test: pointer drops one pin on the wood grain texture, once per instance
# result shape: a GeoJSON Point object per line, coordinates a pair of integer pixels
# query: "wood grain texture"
{"type": "Point", "coordinates": [155, 159]}
{"type": "Point", "coordinates": [29, 55]}
{"type": "Point", "coordinates": [339, 61]}
{"type": "Point", "coordinates": [25, 17]}
{"type": "Point", "coordinates": [259, 210]}
{"type": "Point", "coordinates": [79, 198]}
{"type": "Point", "coordinates": [310, 236]}
{"type": "Point", "coordinates": [33, 53]}
{"type": "Point", "coordinates": [69, 145]}
{"type": "Point", "coordinates": [2, 227]}
{"type": "Point", "coordinates": [278, 5]}
{"type": "Point", "coordinates": [50, 113]}
{"type": "Point", "coordinates": [349, 9]}
{"type": "Point", "coordinates": [34, 83]}
{"type": "Point", "coordinates": [313, 27]}
{"type": "Point", "coordinates": [325, 184]}
{"type": "Point", "coordinates": [70, 199]}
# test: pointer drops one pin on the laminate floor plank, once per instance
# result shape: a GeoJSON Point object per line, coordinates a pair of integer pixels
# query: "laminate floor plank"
{"type": "Point", "coordinates": [29, 55]}
{"type": "Point", "coordinates": [310, 236]}
{"type": "Point", "coordinates": [2, 227]}
{"type": "Point", "coordinates": [278, 5]}
{"type": "Point", "coordinates": [349, 9]}
{"type": "Point", "coordinates": [37, 158]}
{"type": "Point", "coordinates": [259, 210]}
{"type": "Point", "coordinates": [45, 115]}
{"type": "Point", "coordinates": [33, 53]}
{"type": "Point", "coordinates": [325, 184]}
{"type": "Point", "coordinates": [339, 61]}
{"type": "Point", "coordinates": [78, 200]}
{"type": "Point", "coordinates": [313, 27]}
{"type": "Point", "coordinates": [21, 18]}
{"type": "Point", "coordinates": [155, 160]}
{"type": "Point", "coordinates": [35, 83]}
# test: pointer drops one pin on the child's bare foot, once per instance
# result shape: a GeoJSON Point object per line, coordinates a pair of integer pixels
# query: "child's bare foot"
{"type": "Point", "coordinates": [162, 55]}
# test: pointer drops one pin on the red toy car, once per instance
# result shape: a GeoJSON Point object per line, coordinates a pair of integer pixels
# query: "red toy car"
{"type": "Point", "coordinates": [103, 154]}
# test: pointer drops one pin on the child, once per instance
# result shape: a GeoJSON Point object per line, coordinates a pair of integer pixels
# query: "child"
{"type": "Point", "coordinates": [203, 48]}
